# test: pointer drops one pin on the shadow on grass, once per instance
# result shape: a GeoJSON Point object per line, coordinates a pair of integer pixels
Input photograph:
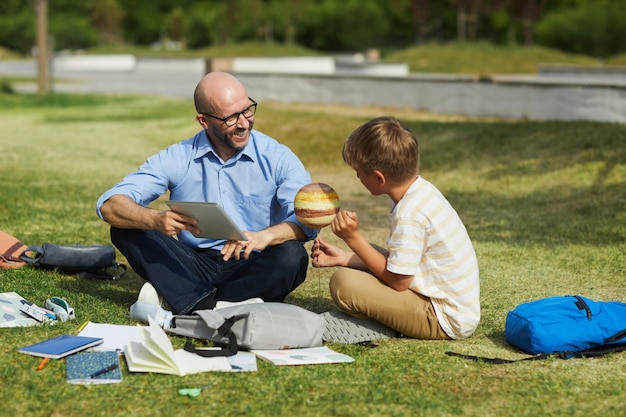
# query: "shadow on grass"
{"type": "Point", "coordinates": [555, 216]}
{"type": "Point", "coordinates": [547, 183]}
{"type": "Point", "coordinates": [314, 304]}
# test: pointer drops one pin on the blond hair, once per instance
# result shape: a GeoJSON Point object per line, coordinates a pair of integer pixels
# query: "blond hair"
{"type": "Point", "coordinates": [384, 144]}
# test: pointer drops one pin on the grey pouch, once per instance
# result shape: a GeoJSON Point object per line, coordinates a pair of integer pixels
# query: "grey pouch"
{"type": "Point", "coordinates": [252, 326]}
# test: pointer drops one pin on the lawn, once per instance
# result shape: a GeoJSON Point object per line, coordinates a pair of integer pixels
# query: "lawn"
{"type": "Point", "coordinates": [544, 202]}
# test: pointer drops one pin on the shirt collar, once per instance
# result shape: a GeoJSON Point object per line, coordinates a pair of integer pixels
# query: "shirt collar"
{"type": "Point", "coordinates": [205, 147]}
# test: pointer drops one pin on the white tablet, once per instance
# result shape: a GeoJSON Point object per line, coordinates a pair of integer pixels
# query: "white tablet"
{"type": "Point", "coordinates": [213, 221]}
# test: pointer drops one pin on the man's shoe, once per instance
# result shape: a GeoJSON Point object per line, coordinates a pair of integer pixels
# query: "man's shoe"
{"type": "Point", "coordinates": [148, 294]}
{"type": "Point", "coordinates": [343, 328]}
{"type": "Point", "coordinates": [224, 304]}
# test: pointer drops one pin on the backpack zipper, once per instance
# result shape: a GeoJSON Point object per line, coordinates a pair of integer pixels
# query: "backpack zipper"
{"type": "Point", "coordinates": [582, 305]}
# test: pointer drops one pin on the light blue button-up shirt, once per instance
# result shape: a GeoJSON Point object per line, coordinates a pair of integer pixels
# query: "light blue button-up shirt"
{"type": "Point", "coordinates": [256, 187]}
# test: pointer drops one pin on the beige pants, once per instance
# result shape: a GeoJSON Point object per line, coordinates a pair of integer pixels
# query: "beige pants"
{"type": "Point", "coordinates": [362, 295]}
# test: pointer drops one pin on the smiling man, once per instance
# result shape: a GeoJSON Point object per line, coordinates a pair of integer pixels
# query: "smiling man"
{"type": "Point", "coordinates": [252, 176]}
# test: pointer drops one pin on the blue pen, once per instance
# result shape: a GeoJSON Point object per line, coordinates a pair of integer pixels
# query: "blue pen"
{"type": "Point", "coordinates": [103, 371]}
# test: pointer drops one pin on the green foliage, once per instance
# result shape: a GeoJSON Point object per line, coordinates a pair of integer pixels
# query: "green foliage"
{"type": "Point", "coordinates": [72, 32]}
{"type": "Point", "coordinates": [17, 30]}
{"type": "Point", "coordinates": [6, 87]}
{"type": "Point", "coordinates": [595, 29]}
{"type": "Point", "coordinates": [201, 27]}
{"type": "Point", "coordinates": [592, 27]}
{"type": "Point", "coordinates": [543, 202]}
{"type": "Point", "coordinates": [107, 18]}
{"type": "Point", "coordinates": [175, 25]}
{"type": "Point", "coordinates": [143, 21]}
{"type": "Point", "coordinates": [350, 25]}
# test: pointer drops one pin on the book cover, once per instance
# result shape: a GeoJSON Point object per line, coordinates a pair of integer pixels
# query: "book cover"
{"type": "Point", "coordinates": [10, 314]}
{"type": "Point", "coordinates": [61, 346]}
{"type": "Point", "coordinates": [305, 356]}
{"type": "Point", "coordinates": [102, 367]}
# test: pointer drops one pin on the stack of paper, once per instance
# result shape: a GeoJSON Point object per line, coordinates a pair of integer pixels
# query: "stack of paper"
{"type": "Point", "coordinates": [305, 356]}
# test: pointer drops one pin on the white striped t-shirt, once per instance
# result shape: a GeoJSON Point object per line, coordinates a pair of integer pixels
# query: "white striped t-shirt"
{"type": "Point", "coordinates": [429, 241]}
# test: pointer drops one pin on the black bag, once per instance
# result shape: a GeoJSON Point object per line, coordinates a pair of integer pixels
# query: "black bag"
{"type": "Point", "coordinates": [93, 261]}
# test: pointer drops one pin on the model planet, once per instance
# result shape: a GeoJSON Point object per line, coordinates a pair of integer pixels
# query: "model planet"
{"type": "Point", "coordinates": [316, 205]}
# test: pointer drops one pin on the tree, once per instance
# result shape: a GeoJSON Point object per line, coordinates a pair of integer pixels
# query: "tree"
{"type": "Point", "coordinates": [107, 18]}
{"type": "Point", "coordinates": [349, 25]}
{"type": "Point", "coordinates": [422, 11]}
{"type": "Point", "coordinates": [528, 12]}
{"type": "Point", "coordinates": [175, 25]}
{"type": "Point", "coordinates": [468, 15]}
{"type": "Point", "coordinates": [593, 28]}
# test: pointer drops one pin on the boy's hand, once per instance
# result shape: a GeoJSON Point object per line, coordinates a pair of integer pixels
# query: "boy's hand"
{"type": "Point", "coordinates": [345, 225]}
{"type": "Point", "coordinates": [324, 254]}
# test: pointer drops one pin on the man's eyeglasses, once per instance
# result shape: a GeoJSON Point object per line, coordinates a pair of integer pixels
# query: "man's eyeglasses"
{"type": "Point", "coordinates": [231, 120]}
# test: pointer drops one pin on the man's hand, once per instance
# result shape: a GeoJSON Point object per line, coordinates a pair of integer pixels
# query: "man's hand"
{"type": "Point", "coordinates": [273, 235]}
{"type": "Point", "coordinates": [171, 223]}
{"type": "Point", "coordinates": [122, 212]}
{"type": "Point", "coordinates": [243, 248]}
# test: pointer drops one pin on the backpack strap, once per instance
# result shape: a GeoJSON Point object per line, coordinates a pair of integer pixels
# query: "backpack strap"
{"type": "Point", "coordinates": [224, 330]}
{"type": "Point", "coordinates": [32, 254]}
{"type": "Point", "coordinates": [588, 353]}
{"type": "Point", "coordinates": [617, 336]}
{"type": "Point", "coordinates": [497, 361]}
{"type": "Point", "coordinates": [112, 272]}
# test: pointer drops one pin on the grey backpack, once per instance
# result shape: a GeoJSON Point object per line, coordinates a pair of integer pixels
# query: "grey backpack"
{"type": "Point", "coordinates": [267, 325]}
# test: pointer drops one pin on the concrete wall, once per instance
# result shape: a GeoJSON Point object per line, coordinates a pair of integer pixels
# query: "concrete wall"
{"type": "Point", "coordinates": [509, 97]}
{"type": "Point", "coordinates": [105, 63]}
{"type": "Point", "coordinates": [585, 95]}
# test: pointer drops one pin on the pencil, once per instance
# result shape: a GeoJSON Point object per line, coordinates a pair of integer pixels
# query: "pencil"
{"type": "Point", "coordinates": [42, 364]}
{"type": "Point", "coordinates": [80, 329]}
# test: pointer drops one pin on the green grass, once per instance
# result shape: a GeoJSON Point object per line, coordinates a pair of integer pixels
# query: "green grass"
{"type": "Point", "coordinates": [544, 202]}
{"type": "Point", "coordinates": [483, 58]}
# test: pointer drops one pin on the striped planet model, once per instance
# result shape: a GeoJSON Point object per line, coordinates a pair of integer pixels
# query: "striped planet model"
{"type": "Point", "coordinates": [316, 205]}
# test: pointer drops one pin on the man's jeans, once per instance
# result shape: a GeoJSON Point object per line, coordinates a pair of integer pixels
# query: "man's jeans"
{"type": "Point", "coordinates": [184, 276]}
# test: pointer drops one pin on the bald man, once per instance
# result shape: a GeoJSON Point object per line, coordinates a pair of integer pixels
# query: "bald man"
{"type": "Point", "coordinates": [252, 176]}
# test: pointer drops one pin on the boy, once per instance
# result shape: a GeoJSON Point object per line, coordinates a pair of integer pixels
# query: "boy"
{"type": "Point", "coordinates": [426, 284]}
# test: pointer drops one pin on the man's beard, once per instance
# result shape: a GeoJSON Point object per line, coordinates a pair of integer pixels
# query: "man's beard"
{"type": "Point", "coordinates": [226, 139]}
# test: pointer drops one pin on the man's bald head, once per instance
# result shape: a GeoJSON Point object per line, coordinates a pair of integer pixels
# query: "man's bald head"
{"type": "Point", "coordinates": [216, 90]}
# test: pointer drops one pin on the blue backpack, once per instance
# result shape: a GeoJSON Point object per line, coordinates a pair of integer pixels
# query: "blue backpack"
{"type": "Point", "coordinates": [565, 327]}
{"type": "Point", "coordinates": [570, 326]}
